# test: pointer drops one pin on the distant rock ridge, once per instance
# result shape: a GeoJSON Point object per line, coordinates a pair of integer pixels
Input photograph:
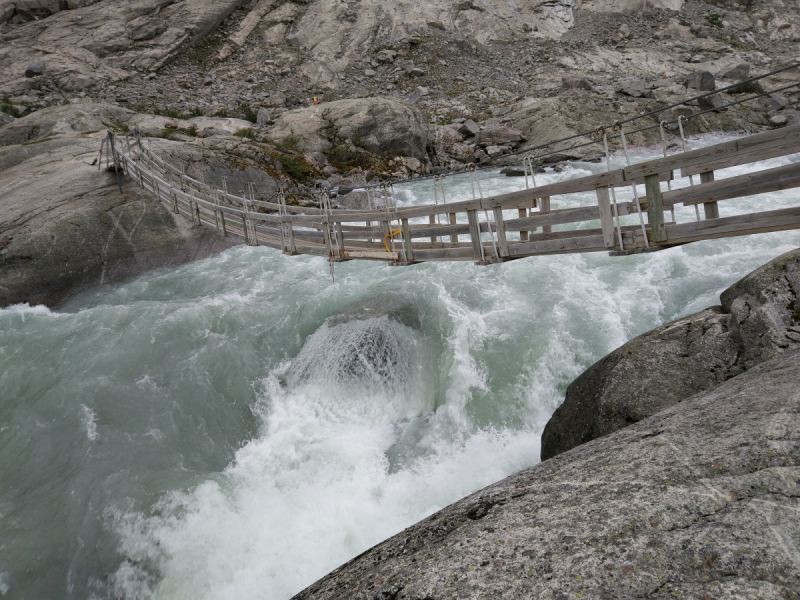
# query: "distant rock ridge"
{"type": "Point", "coordinates": [758, 320]}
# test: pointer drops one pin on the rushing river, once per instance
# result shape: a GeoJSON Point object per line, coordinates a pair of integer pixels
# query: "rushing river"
{"type": "Point", "coordinates": [238, 427]}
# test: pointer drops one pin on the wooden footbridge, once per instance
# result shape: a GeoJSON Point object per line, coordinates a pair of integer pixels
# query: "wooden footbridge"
{"type": "Point", "coordinates": [503, 227]}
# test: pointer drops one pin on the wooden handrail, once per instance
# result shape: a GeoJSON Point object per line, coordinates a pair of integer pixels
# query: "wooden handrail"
{"type": "Point", "coordinates": [364, 234]}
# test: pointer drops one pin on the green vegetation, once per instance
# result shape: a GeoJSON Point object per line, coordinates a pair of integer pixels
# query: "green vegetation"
{"type": "Point", "coordinates": [345, 157]}
{"type": "Point", "coordinates": [192, 131]}
{"type": "Point", "coordinates": [247, 113]}
{"type": "Point", "coordinates": [246, 132]}
{"type": "Point", "coordinates": [294, 168]}
{"type": "Point", "coordinates": [714, 20]}
{"type": "Point", "coordinates": [172, 113]}
{"type": "Point", "coordinates": [7, 107]}
{"type": "Point", "coordinates": [203, 52]}
{"type": "Point", "coordinates": [222, 114]}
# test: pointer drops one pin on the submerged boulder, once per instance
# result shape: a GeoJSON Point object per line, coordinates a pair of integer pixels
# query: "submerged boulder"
{"type": "Point", "coordinates": [758, 320]}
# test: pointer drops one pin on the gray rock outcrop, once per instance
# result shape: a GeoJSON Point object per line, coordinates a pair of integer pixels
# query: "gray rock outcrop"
{"type": "Point", "coordinates": [380, 125]}
{"type": "Point", "coordinates": [64, 226]}
{"type": "Point", "coordinates": [697, 501]}
{"type": "Point", "coordinates": [759, 319]}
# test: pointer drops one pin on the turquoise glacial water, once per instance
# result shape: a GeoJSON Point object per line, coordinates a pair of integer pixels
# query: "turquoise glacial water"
{"type": "Point", "coordinates": [238, 427]}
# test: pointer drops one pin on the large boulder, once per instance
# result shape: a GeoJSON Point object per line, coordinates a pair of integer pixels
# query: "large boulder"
{"type": "Point", "coordinates": [698, 501]}
{"type": "Point", "coordinates": [648, 374]}
{"type": "Point", "coordinates": [380, 125]}
{"type": "Point", "coordinates": [759, 319]}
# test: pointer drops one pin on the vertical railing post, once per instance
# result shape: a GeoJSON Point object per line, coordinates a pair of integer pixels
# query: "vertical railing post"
{"type": "Point", "coordinates": [655, 208]}
{"type": "Point", "coordinates": [711, 208]}
{"type": "Point", "coordinates": [544, 208]}
{"type": "Point", "coordinates": [606, 216]}
{"type": "Point", "coordinates": [500, 224]}
{"type": "Point", "coordinates": [523, 213]}
{"type": "Point", "coordinates": [407, 241]}
{"type": "Point", "coordinates": [475, 235]}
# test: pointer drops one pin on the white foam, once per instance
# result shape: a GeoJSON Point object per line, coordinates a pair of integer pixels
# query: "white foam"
{"type": "Point", "coordinates": [89, 422]}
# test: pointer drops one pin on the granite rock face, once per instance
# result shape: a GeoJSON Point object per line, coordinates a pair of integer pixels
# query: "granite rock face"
{"type": "Point", "coordinates": [698, 501]}
{"type": "Point", "coordinates": [759, 319]}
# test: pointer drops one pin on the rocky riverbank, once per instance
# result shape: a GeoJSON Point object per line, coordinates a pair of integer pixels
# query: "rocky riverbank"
{"type": "Point", "coordinates": [696, 500]}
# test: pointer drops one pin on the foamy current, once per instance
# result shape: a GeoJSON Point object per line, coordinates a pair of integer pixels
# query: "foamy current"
{"type": "Point", "coordinates": [240, 426]}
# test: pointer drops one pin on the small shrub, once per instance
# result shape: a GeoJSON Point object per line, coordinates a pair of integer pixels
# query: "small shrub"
{"type": "Point", "coordinates": [172, 113]}
{"type": "Point", "coordinates": [714, 20]}
{"type": "Point", "coordinates": [293, 168]}
{"type": "Point", "coordinates": [196, 112]}
{"type": "Point", "coordinates": [245, 132]}
{"type": "Point", "coordinates": [192, 131]}
{"type": "Point", "coordinates": [7, 107]}
{"type": "Point", "coordinates": [357, 139]}
{"type": "Point", "coordinates": [247, 113]}
{"type": "Point", "coordinates": [222, 114]}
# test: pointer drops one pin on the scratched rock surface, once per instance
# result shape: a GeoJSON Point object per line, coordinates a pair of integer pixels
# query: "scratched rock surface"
{"type": "Point", "coordinates": [759, 319]}
{"type": "Point", "coordinates": [64, 226]}
{"type": "Point", "coordinates": [699, 501]}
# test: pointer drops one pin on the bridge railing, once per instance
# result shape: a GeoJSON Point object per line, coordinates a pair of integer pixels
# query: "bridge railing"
{"type": "Point", "coordinates": [481, 229]}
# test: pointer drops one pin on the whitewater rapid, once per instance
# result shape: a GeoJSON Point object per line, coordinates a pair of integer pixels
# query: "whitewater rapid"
{"type": "Point", "coordinates": [240, 426]}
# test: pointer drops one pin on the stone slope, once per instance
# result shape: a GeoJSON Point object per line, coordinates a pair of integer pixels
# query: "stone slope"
{"type": "Point", "coordinates": [758, 320]}
{"type": "Point", "coordinates": [698, 501]}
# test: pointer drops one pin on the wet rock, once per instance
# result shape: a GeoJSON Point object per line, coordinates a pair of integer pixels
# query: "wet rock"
{"type": "Point", "coordinates": [684, 504]}
{"type": "Point", "coordinates": [35, 70]}
{"type": "Point", "coordinates": [513, 172]}
{"type": "Point", "coordinates": [644, 376]}
{"type": "Point", "coordinates": [675, 361]}
{"type": "Point", "coordinates": [701, 80]}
